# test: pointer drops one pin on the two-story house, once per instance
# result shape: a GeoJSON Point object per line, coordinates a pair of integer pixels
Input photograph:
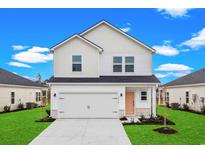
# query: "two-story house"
{"type": "Point", "coordinates": [102, 73]}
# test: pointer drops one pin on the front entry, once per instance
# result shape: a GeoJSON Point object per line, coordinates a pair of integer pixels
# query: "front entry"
{"type": "Point", "coordinates": [129, 103]}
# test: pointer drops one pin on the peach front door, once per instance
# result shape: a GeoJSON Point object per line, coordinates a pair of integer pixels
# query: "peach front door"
{"type": "Point", "coordinates": [129, 103]}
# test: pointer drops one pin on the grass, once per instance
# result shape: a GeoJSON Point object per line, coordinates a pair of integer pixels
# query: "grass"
{"type": "Point", "coordinates": [20, 128]}
{"type": "Point", "coordinates": [190, 127]}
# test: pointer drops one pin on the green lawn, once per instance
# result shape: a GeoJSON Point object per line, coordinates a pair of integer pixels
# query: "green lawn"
{"type": "Point", "coordinates": [190, 127]}
{"type": "Point", "coordinates": [20, 127]}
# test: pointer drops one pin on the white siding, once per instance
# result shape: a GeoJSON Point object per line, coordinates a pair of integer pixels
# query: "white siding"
{"type": "Point", "coordinates": [22, 95]}
{"type": "Point", "coordinates": [116, 44]}
{"type": "Point", "coordinates": [63, 59]}
{"type": "Point", "coordinates": [142, 103]}
{"type": "Point", "coordinates": [178, 95]}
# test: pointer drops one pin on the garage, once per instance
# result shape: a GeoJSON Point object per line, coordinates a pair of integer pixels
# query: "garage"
{"type": "Point", "coordinates": [88, 105]}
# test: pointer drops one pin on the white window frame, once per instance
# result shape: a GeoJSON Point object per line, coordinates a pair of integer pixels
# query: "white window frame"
{"type": "Point", "coordinates": [118, 64]}
{"type": "Point", "coordinates": [187, 97]}
{"type": "Point", "coordinates": [142, 95]}
{"type": "Point", "coordinates": [13, 97]}
{"type": "Point", "coordinates": [77, 63]}
{"type": "Point", "coordinates": [167, 97]}
{"type": "Point", "coordinates": [130, 64]}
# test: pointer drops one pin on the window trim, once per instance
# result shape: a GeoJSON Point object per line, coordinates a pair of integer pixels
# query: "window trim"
{"type": "Point", "coordinates": [77, 63]}
{"type": "Point", "coordinates": [117, 64]}
{"type": "Point", "coordinates": [130, 64]}
{"type": "Point", "coordinates": [166, 97]}
{"type": "Point", "coordinates": [143, 95]}
{"type": "Point", "coordinates": [187, 97]}
{"type": "Point", "coordinates": [12, 97]}
{"type": "Point", "coordinates": [38, 96]}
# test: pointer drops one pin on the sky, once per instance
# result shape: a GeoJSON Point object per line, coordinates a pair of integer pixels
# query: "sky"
{"type": "Point", "coordinates": [178, 35]}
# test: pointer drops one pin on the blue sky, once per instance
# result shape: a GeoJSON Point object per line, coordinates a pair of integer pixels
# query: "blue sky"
{"type": "Point", "coordinates": [27, 34]}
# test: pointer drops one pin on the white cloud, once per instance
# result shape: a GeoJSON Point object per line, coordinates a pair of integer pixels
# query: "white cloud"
{"type": "Point", "coordinates": [19, 47]}
{"type": "Point", "coordinates": [17, 64]}
{"type": "Point", "coordinates": [198, 40]}
{"type": "Point", "coordinates": [174, 12]}
{"type": "Point", "coordinates": [34, 55]}
{"type": "Point", "coordinates": [127, 27]}
{"type": "Point", "coordinates": [173, 67]}
{"type": "Point", "coordinates": [27, 77]}
{"type": "Point", "coordinates": [166, 50]}
{"type": "Point", "coordinates": [160, 75]}
{"type": "Point", "coordinates": [175, 74]}
{"type": "Point", "coordinates": [38, 49]}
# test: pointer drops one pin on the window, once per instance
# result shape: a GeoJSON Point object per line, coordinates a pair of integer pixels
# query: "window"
{"type": "Point", "coordinates": [38, 96]}
{"type": "Point", "coordinates": [129, 64]}
{"type": "Point", "coordinates": [187, 96]}
{"type": "Point", "coordinates": [12, 97]}
{"type": "Point", "coordinates": [143, 95]}
{"type": "Point", "coordinates": [76, 63]}
{"type": "Point", "coordinates": [117, 64]}
{"type": "Point", "coordinates": [167, 97]}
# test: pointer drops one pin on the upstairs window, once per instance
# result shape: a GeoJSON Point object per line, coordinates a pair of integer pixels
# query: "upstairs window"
{"type": "Point", "coordinates": [117, 64]}
{"type": "Point", "coordinates": [77, 63]}
{"type": "Point", "coordinates": [129, 64]}
{"type": "Point", "coordinates": [143, 95]}
{"type": "Point", "coordinates": [12, 97]}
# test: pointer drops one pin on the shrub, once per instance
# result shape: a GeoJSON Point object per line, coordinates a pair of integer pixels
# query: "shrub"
{"type": "Point", "coordinates": [186, 107]}
{"type": "Point", "coordinates": [167, 105]}
{"type": "Point", "coordinates": [175, 105]}
{"type": "Point", "coordinates": [48, 112]}
{"type": "Point", "coordinates": [203, 109]}
{"type": "Point", "coordinates": [20, 106]}
{"type": "Point", "coordinates": [31, 105]}
{"type": "Point", "coordinates": [35, 105]}
{"type": "Point", "coordinates": [7, 108]}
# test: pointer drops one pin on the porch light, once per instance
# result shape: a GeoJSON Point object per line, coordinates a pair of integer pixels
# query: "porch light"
{"type": "Point", "coordinates": [121, 94]}
{"type": "Point", "coordinates": [54, 94]}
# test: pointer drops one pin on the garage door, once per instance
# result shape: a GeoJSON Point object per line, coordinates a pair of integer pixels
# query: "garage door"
{"type": "Point", "coordinates": [88, 105]}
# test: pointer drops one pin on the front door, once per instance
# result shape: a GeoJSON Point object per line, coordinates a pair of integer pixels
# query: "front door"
{"type": "Point", "coordinates": [129, 101]}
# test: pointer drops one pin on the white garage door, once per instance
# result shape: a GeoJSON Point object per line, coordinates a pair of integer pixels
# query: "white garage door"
{"type": "Point", "coordinates": [88, 105]}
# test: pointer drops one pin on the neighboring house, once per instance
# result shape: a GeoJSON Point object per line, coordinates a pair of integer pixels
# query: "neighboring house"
{"type": "Point", "coordinates": [189, 89]}
{"type": "Point", "coordinates": [102, 73]}
{"type": "Point", "coordinates": [15, 89]}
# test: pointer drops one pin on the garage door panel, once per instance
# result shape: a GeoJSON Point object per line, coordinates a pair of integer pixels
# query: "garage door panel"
{"type": "Point", "coordinates": [88, 105]}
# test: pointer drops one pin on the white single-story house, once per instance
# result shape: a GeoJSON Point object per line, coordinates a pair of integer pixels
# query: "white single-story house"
{"type": "Point", "coordinates": [189, 90]}
{"type": "Point", "coordinates": [102, 73]}
{"type": "Point", "coordinates": [15, 89]}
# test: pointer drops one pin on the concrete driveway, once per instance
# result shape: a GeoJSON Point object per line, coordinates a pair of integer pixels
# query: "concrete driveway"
{"type": "Point", "coordinates": [83, 131]}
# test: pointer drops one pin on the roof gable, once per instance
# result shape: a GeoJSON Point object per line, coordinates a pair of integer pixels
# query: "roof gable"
{"type": "Point", "coordinates": [79, 37]}
{"type": "Point", "coordinates": [120, 31]}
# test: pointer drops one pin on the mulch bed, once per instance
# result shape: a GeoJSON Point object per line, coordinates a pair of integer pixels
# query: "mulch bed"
{"type": "Point", "coordinates": [46, 119]}
{"type": "Point", "coordinates": [165, 130]}
{"type": "Point", "coordinates": [123, 119]}
{"type": "Point", "coordinates": [159, 120]}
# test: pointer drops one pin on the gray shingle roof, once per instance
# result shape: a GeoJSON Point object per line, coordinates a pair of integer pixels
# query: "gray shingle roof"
{"type": "Point", "coordinates": [193, 78]}
{"type": "Point", "coordinates": [108, 79]}
{"type": "Point", "coordinates": [7, 77]}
